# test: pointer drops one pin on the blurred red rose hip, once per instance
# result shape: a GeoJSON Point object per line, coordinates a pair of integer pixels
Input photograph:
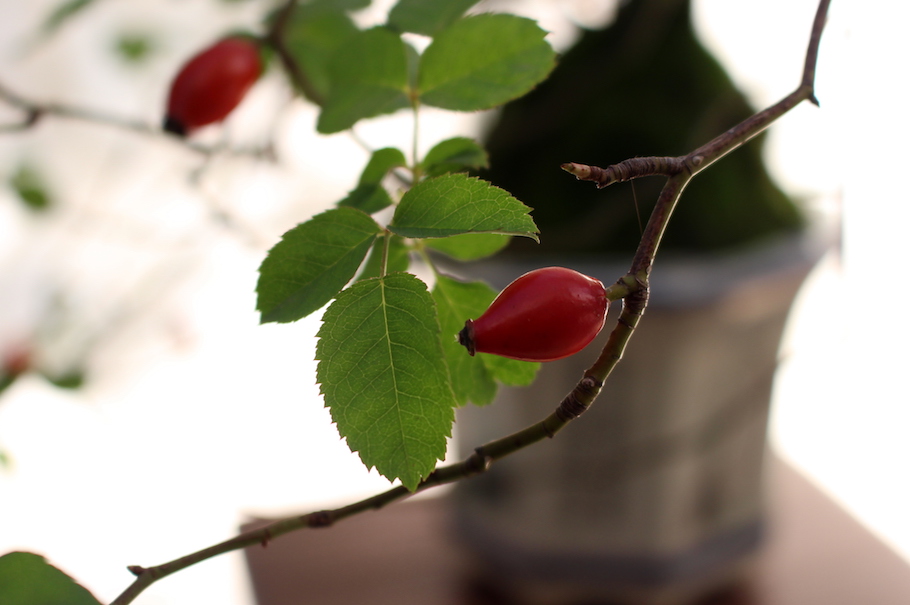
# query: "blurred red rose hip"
{"type": "Point", "coordinates": [211, 85]}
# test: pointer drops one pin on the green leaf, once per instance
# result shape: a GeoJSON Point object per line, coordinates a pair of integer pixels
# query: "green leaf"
{"type": "Point", "coordinates": [31, 188]}
{"type": "Point", "coordinates": [368, 76]}
{"type": "Point", "coordinates": [454, 155]}
{"type": "Point", "coordinates": [510, 371]}
{"type": "Point", "coordinates": [71, 380]}
{"type": "Point", "coordinates": [312, 36]}
{"type": "Point", "coordinates": [28, 579]}
{"type": "Point", "coordinates": [470, 246]}
{"type": "Point", "coordinates": [369, 195]}
{"type": "Point", "coordinates": [369, 198]}
{"type": "Point", "coordinates": [312, 262]}
{"type": "Point", "coordinates": [397, 259]}
{"type": "Point", "coordinates": [134, 47]}
{"type": "Point", "coordinates": [454, 204]}
{"type": "Point", "coordinates": [427, 17]}
{"type": "Point", "coordinates": [7, 380]}
{"type": "Point", "coordinates": [381, 163]}
{"type": "Point", "coordinates": [382, 373]}
{"type": "Point", "coordinates": [484, 61]}
{"type": "Point", "coordinates": [63, 13]}
{"type": "Point", "coordinates": [457, 301]}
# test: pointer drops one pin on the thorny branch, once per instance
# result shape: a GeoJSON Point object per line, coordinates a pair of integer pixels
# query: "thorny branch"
{"type": "Point", "coordinates": [631, 288]}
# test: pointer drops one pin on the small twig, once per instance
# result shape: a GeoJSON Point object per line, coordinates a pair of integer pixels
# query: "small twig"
{"type": "Point", "coordinates": [626, 170]}
{"type": "Point", "coordinates": [275, 38]}
{"type": "Point", "coordinates": [35, 112]}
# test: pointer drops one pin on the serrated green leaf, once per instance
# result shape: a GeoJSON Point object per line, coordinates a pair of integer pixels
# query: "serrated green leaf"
{"type": "Point", "coordinates": [427, 17]}
{"type": "Point", "coordinates": [457, 301]}
{"type": "Point", "coordinates": [382, 373]}
{"type": "Point", "coordinates": [28, 579]}
{"type": "Point", "coordinates": [397, 258]}
{"type": "Point", "coordinates": [312, 36]}
{"type": "Point", "coordinates": [453, 204]}
{"type": "Point", "coordinates": [368, 76]}
{"type": "Point", "coordinates": [470, 246]}
{"type": "Point", "coordinates": [454, 155]}
{"type": "Point", "coordinates": [31, 188]}
{"type": "Point", "coordinates": [484, 61]}
{"type": "Point", "coordinates": [312, 262]}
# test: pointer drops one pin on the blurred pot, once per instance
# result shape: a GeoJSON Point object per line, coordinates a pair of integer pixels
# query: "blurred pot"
{"type": "Point", "coordinates": [656, 494]}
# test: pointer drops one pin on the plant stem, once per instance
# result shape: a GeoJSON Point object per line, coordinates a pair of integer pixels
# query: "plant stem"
{"type": "Point", "coordinates": [35, 112]}
{"type": "Point", "coordinates": [632, 288]}
{"type": "Point", "coordinates": [275, 38]}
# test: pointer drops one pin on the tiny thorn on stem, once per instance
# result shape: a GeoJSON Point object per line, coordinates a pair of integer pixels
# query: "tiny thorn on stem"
{"type": "Point", "coordinates": [136, 570]}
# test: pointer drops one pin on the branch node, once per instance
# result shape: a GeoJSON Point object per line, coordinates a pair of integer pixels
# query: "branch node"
{"type": "Point", "coordinates": [321, 518]}
{"type": "Point", "coordinates": [579, 400]}
{"type": "Point", "coordinates": [478, 462]}
{"type": "Point", "coordinates": [136, 570]}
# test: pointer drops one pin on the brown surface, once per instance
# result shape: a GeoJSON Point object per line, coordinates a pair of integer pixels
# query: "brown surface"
{"type": "Point", "coordinates": [816, 555]}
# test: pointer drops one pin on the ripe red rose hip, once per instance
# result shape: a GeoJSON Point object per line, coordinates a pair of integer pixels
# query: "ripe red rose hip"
{"type": "Point", "coordinates": [543, 315]}
{"type": "Point", "coordinates": [211, 85]}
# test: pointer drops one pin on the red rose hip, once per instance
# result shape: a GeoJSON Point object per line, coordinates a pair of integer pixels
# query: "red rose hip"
{"type": "Point", "coordinates": [544, 315]}
{"type": "Point", "coordinates": [211, 85]}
